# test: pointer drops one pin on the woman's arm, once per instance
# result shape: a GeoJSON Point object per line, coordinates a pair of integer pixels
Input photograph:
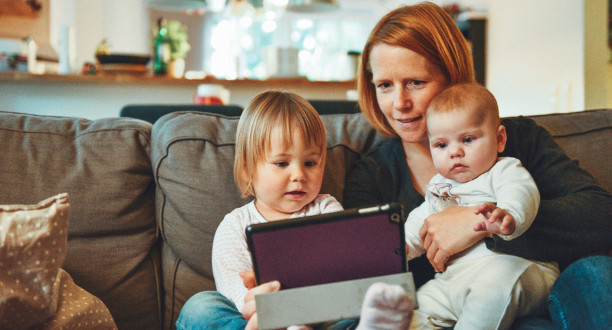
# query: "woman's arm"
{"type": "Point", "coordinates": [574, 215]}
{"type": "Point", "coordinates": [362, 187]}
{"type": "Point", "coordinates": [381, 177]}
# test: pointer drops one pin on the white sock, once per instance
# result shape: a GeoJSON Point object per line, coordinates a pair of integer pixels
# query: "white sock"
{"type": "Point", "coordinates": [299, 327]}
{"type": "Point", "coordinates": [385, 306]}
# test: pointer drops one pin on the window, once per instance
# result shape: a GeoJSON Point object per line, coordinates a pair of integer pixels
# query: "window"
{"type": "Point", "coordinates": [259, 45]}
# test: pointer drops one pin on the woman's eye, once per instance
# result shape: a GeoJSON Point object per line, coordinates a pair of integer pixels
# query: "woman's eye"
{"type": "Point", "coordinates": [416, 84]}
{"type": "Point", "coordinates": [384, 86]}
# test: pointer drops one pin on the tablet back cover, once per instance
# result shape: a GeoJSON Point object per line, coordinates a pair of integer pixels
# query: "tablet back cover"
{"type": "Point", "coordinates": [328, 248]}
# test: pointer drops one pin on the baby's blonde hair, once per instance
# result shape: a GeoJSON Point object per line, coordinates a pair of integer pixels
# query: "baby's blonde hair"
{"type": "Point", "coordinates": [267, 111]}
{"type": "Point", "coordinates": [472, 96]}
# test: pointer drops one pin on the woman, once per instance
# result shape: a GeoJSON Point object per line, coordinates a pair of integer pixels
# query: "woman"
{"type": "Point", "coordinates": [412, 54]}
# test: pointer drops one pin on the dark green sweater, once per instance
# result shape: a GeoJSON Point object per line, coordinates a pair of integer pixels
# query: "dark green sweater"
{"type": "Point", "coordinates": [575, 215]}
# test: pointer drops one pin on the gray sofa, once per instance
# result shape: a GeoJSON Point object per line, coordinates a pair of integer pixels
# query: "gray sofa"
{"type": "Point", "coordinates": [145, 200]}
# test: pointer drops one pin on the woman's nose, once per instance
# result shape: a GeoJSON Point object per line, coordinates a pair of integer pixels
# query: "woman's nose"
{"type": "Point", "coordinates": [401, 100]}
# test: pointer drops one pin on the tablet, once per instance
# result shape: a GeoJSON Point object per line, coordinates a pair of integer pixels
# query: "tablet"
{"type": "Point", "coordinates": [348, 245]}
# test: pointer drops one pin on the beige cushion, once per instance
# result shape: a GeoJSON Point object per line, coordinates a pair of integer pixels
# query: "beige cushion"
{"type": "Point", "coordinates": [34, 290]}
{"type": "Point", "coordinates": [77, 308]}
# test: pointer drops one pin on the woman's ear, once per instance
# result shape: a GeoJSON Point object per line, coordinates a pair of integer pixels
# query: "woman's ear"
{"type": "Point", "coordinates": [501, 138]}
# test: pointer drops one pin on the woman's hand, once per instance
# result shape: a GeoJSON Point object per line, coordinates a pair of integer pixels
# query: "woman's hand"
{"type": "Point", "coordinates": [249, 309]}
{"type": "Point", "coordinates": [449, 232]}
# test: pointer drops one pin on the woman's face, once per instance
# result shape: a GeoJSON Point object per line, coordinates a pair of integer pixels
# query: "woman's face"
{"type": "Point", "coordinates": [405, 82]}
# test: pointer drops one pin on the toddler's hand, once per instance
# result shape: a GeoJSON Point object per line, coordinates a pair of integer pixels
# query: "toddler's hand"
{"type": "Point", "coordinates": [497, 220]}
{"type": "Point", "coordinates": [248, 279]}
{"type": "Point", "coordinates": [249, 309]}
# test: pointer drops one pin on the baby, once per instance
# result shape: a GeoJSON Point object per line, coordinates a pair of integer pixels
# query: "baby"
{"type": "Point", "coordinates": [480, 289]}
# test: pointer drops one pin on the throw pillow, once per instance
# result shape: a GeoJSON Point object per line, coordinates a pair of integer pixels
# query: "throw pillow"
{"type": "Point", "coordinates": [33, 288]}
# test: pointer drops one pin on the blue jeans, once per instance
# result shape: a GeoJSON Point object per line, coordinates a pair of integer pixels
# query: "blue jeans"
{"type": "Point", "coordinates": [580, 298]}
{"type": "Point", "coordinates": [582, 295]}
{"type": "Point", "coordinates": [212, 310]}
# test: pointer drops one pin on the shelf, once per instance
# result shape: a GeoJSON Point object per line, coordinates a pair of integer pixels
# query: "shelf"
{"type": "Point", "coordinates": [154, 80]}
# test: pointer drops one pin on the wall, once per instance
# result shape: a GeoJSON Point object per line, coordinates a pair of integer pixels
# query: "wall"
{"type": "Point", "coordinates": [543, 58]}
{"type": "Point", "coordinates": [596, 54]}
{"type": "Point", "coordinates": [609, 84]}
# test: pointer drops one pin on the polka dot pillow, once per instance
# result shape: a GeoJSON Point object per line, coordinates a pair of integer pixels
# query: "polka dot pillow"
{"type": "Point", "coordinates": [34, 290]}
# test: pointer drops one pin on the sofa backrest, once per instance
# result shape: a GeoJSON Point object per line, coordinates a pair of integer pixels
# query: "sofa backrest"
{"type": "Point", "coordinates": [193, 157]}
{"type": "Point", "coordinates": [586, 136]}
{"type": "Point", "coordinates": [105, 167]}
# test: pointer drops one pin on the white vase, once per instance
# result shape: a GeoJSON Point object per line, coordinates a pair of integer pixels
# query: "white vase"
{"type": "Point", "coordinates": [176, 68]}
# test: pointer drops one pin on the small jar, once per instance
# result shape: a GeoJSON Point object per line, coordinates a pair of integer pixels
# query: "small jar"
{"type": "Point", "coordinates": [210, 94]}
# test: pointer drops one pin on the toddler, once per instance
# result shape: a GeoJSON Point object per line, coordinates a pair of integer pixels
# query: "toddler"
{"type": "Point", "coordinates": [480, 289]}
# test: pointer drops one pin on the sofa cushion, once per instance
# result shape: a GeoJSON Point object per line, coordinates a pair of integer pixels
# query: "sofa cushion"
{"type": "Point", "coordinates": [585, 136]}
{"type": "Point", "coordinates": [34, 290]}
{"type": "Point", "coordinates": [105, 167]}
{"type": "Point", "coordinates": [193, 157]}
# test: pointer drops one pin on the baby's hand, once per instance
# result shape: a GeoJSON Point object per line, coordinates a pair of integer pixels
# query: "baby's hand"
{"type": "Point", "coordinates": [497, 220]}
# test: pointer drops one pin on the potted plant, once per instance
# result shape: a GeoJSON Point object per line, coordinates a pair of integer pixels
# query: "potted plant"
{"type": "Point", "coordinates": [175, 37]}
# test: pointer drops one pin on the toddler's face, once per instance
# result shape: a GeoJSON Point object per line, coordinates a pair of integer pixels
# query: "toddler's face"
{"type": "Point", "coordinates": [289, 178]}
{"type": "Point", "coordinates": [463, 144]}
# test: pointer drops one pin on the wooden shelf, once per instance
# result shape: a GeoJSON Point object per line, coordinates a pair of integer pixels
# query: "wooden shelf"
{"type": "Point", "coordinates": [154, 80]}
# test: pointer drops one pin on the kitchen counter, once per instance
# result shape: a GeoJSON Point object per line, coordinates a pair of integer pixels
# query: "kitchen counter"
{"type": "Point", "coordinates": [103, 95]}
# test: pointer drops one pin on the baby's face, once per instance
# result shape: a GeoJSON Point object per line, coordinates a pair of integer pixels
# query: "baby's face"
{"type": "Point", "coordinates": [289, 178]}
{"type": "Point", "coordinates": [463, 144]}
